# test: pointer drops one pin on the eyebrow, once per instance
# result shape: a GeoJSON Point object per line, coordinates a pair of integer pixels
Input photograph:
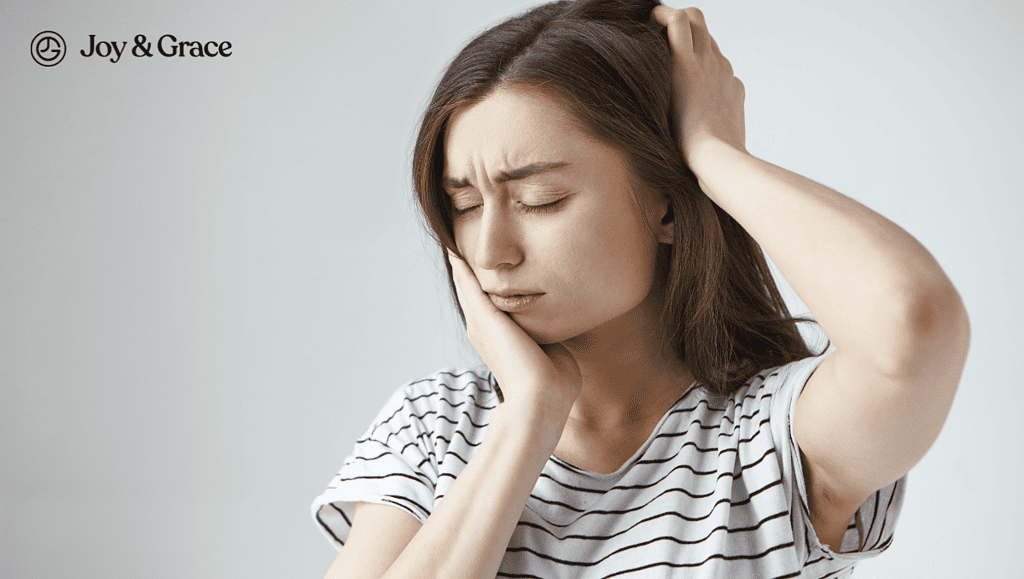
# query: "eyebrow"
{"type": "Point", "coordinates": [513, 175]}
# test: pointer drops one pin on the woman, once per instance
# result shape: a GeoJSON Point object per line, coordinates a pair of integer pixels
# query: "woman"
{"type": "Point", "coordinates": [583, 165]}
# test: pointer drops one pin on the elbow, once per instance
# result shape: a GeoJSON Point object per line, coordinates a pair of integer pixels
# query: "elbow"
{"type": "Point", "coordinates": [931, 331]}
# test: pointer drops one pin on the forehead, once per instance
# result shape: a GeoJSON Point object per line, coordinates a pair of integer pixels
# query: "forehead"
{"type": "Point", "coordinates": [512, 128]}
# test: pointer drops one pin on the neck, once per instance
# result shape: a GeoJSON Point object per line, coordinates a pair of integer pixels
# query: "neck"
{"type": "Point", "coordinates": [629, 380]}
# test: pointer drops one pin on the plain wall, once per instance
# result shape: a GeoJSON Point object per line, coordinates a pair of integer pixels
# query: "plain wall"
{"type": "Point", "coordinates": [212, 274]}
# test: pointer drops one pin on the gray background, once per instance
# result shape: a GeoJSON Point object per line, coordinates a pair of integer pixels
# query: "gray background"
{"type": "Point", "coordinates": [212, 275]}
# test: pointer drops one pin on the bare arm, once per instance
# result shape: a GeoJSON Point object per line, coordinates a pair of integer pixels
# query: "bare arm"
{"type": "Point", "coordinates": [378, 536]}
{"type": "Point", "coordinates": [468, 532]}
{"type": "Point", "coordinates": [875, 406]}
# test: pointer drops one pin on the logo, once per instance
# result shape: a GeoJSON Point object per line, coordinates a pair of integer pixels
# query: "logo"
{"type": "Point", "coordinates": [48, 48]}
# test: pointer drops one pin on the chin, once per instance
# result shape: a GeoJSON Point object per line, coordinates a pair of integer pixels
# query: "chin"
{"type": "Point", "coordinates": [549, 333]}
{"type": "Point", "coordinates": [545, 336]}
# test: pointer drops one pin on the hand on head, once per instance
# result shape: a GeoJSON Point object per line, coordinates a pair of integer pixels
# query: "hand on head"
{"type": "Point", "coordinates": [707, 98]}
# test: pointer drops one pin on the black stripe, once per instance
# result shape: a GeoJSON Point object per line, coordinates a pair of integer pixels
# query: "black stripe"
{"type": "Point", "coordinates": [393, 499]}
{"type": "Point", "coordinates": [649, 519]}
{"type": "Point", "coordinates": [756, 393]}
{"type": "Point", "coordinates": [655, 483]}
{"type": "Point", "coordinates": [742, 416]}
{"type": "Point", "coordinates": [407, 400]}
{"type": "Point", "coordinates": [674, 456]}
{"type": "Point", "coordinates": [363, 458]}
{"type": "Point", "coordinates": [400, 408]}
{"type": "Point", "coordinates": [415, 442]}
{"type": "Point", "coordinates": [885, 545]}
{"type": "Point", "coordinates": [460, 433]}
{"type": "Point", "coordinates": [387, 440]}
{"type": "Point", "coordinates": [456, 455]}
{"type": "Point", "coordinates": [616, 551]}
{"type": "Point", "coordinates": [807, 534]}
{"type": "Point", "coordinates": [328, 529]}
{"type": "Point", "coordinates": [696, 421]}
{"type": "Point", "coordinates": [567, 466]}
{"type": "Point", "coordinates": [703, 401]}
{"type": "Point", "coordinates": [885, 517]}
{"type": "Point", "coordinates": [867, 536]}
{"type": "Point", "coordinates": [420, 418]}
{"type": "Point", "coordinates": [435, 380]}
{"type": "Point", "coordinates": [377, 477]}
{"type": "Point", "coordinates": [674, 489]}
{"type": "Point", "coordinates": [724, 500]}
{"type": "Point", "coordinates": [821, 557]}
{"type": "Point", "coordinates": [710, 557]}
{"type": "Point", "coordinates": [482, 384]}
{"type": "Point", "coordinates": [463, 403]}
{"type": "Point", "coordinates": [342, 513]}
{"type": "Point", "coordinates": [702, 426]}
{"type": "Point", "coordinates": [742, 468]}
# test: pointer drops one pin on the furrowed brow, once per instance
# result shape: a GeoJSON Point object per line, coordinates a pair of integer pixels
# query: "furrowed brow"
{"type": "Point", "coordinates": [513, 175]}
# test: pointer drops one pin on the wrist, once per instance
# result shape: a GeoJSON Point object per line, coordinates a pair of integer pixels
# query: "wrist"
{"type": "Point", "coordinates": [538, 425]}
{"type": "Point", "coordinates": [710, 157]}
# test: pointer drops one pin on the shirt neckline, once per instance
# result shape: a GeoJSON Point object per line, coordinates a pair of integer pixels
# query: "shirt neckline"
{"type": "Point", "coordinates": [619, 472]}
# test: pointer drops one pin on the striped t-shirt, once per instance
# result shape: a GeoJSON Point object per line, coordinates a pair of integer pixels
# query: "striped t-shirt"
{"type": "Point", "coordinates": [716, 491]}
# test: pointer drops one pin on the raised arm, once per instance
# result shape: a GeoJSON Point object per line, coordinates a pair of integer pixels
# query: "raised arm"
{"type": "Point", "coordinates": [875, 405]}
{"type": "Point", "coordinates": [468, 532]}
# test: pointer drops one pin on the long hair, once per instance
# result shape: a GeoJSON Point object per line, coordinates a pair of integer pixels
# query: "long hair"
{"type": "Point", "coordinates": [610, 68]}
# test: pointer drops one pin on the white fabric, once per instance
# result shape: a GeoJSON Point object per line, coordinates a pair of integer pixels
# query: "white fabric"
{"type": "Point", "coordinates": [716, 491]}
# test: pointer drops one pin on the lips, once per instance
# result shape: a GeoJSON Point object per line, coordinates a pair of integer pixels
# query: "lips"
{"type": "Point", "coordinates": [514, 303]}
{"type": "Point", "coordinates": [512, 292]}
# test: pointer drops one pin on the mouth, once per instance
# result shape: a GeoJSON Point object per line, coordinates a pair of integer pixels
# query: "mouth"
{"type": "Point", "coordinates": [514, 303]}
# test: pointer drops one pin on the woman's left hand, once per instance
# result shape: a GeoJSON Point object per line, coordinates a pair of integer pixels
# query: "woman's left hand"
{"type": "Point", "coordinates": [707, 98]}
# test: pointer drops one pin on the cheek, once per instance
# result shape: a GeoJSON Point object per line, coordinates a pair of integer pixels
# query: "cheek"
{"type": "Point", "coordinates": [462, 236]}
{"type": "Point", "coordinates": [612, 262]}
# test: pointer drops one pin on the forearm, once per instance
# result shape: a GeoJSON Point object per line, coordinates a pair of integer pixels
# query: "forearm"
{"type": "Point", "coordinates": [870, 285]}
{"type": "Point", "coordinates": [469, 530]}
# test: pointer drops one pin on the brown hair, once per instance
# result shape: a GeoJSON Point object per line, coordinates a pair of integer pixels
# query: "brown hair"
{"type": "Point", "coordinates": [610, 68]}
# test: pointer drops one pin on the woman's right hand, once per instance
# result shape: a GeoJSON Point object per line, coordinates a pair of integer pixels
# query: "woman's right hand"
{"type": "Point", "coordinates": [531, 376]}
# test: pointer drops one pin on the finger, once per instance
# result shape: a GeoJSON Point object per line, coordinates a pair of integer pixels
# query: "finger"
{"type": "Point", "coordinates": [677, 24]}
{"type": "Point", "coordinates": [467, 287]}
{"type": "Point", "coordinates": [714, 46]}
{"type": "Point", "coordinates": [698, 31]}
{"type": "Point", "coordinates": [457, 276]}
{"type": "Point", "coordinates": [721, 58]}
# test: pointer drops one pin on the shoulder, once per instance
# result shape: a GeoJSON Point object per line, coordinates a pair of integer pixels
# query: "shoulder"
{"type": "Point", "coordinates": [448, 391]}
{"type": "Point", "coordinates": [449, 395]}
{"type": "Point", "coordinates": [784, 379]}
{"type": "Point", "coordinates": [474, 385]}
{"type": "Point", "coordinates": [768, 391]}
{"type": "Point", "coordinates": [777, 389]}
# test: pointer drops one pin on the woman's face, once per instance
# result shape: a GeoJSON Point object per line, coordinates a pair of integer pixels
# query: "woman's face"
{"type": "Point", "coordinates": [541, 208]}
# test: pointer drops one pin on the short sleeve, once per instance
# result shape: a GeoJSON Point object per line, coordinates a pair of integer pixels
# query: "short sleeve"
{"type": "Point", "coordinates": [391, 463]}
{"type": "Point", "coordinates": [871, 529]}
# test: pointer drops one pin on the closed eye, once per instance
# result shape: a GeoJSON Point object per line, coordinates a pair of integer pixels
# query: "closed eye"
{"type": "Point", "coordinates": [542, 206]}
{"type": "Point", "coordinates": [526, 207]}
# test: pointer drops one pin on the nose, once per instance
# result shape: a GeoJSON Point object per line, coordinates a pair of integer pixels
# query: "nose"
{"type": "Point", "coordinates": [497, 239]}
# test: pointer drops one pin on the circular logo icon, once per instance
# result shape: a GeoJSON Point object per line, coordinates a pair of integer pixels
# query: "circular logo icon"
{"type": "Point", "coordinates": [48, 48]}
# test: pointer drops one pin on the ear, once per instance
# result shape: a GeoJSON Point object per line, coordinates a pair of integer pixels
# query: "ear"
{"type": "Point", "coordinates": [667, 226]}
